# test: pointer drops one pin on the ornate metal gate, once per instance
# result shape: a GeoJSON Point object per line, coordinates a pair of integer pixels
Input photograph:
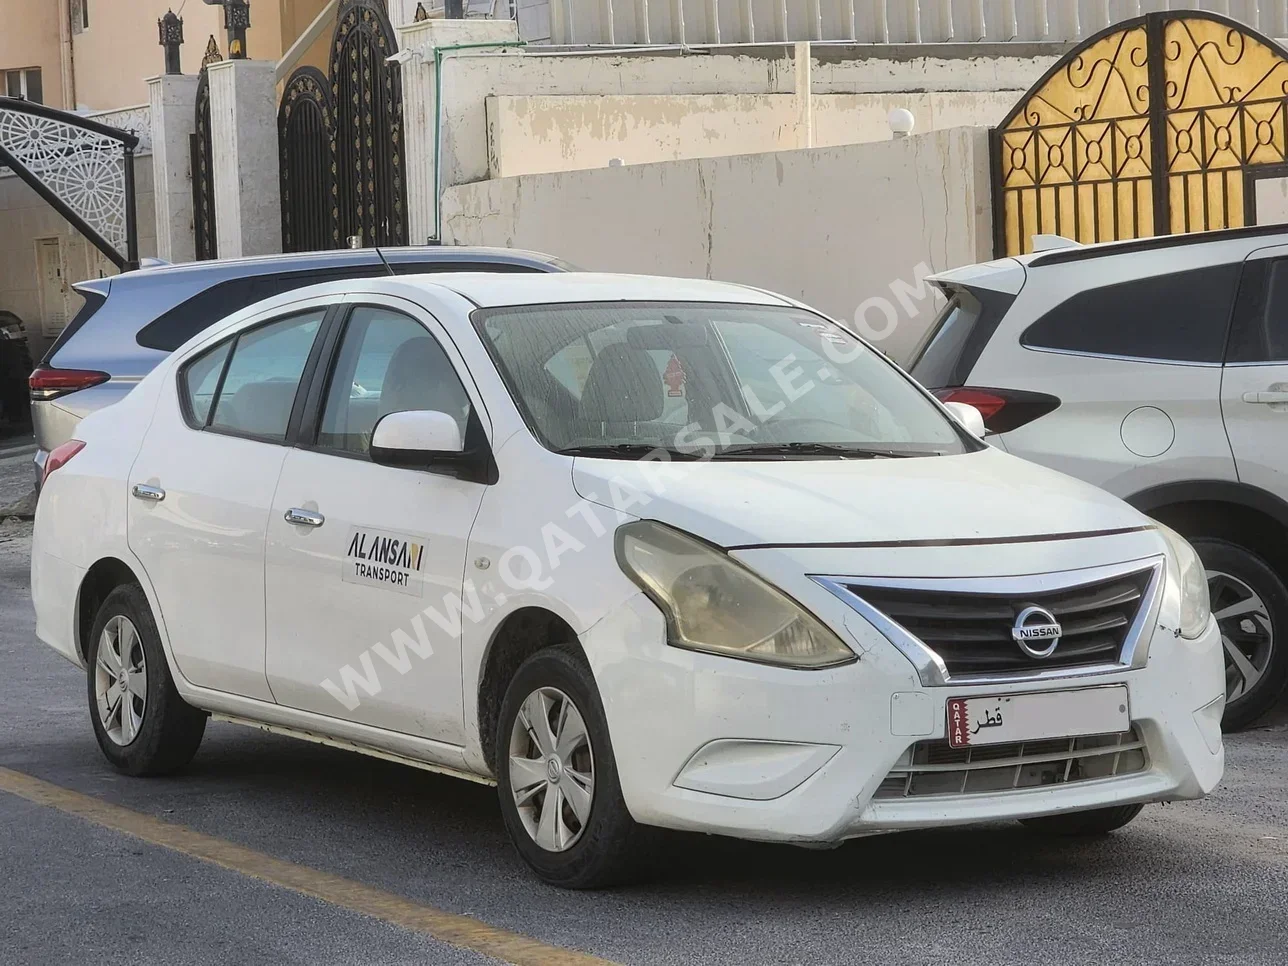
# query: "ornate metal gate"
{"type": "Point", "coordinates": [305, 120]}
{"type": "Point", "coordinates": [203, 175]}
{"type": "Point", "coordinates": [341, 140]}
{"type": "Point", "coordinates": [1159, 124]}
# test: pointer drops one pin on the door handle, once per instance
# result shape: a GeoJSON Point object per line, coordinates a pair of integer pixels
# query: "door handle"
{"type": "Point", "coordinates": [304, 518]}
{"type": "Point", "coordinates": [153, 494]}
{"type": "Point", "coordinates": [1268, 398]}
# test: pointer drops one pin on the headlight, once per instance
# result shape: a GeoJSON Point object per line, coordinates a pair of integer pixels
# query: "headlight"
{"type": "Point", "coordinates": [1196, 605]}
{"type": "Point", "coordinates": [713, 603]}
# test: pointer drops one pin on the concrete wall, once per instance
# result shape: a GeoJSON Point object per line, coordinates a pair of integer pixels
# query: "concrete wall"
{"type": "Point", "coordinates": [471, 78]}
{"type": "Point", "coordinates": [835, 227]}
{"type": "Point", "coordinates": [532, 134]}
{"type": "Point", "coordinates": [24, 219]}
{"type": "Point", "coordinates": [29, 37]}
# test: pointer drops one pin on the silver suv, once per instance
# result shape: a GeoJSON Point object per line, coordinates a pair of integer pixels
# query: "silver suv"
{"type": "Point", "coordinates": [1158, 370]}
{"type": "Point", "coordinates": [132, 321]}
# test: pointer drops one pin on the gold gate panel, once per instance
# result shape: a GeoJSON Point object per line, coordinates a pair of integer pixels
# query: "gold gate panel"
{"type": "Point", "coordinates": [1147, 128]}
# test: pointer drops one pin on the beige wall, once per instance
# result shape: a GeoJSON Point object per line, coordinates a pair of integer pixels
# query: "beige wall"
{"type": "Point", "coordinates": [29, 37]}
{"type": "Point", "coordinates": [541, 133]}
{"type": "Point", "coordinates": [24, 219]}
{"type": "Point", "coordinates": [119, 50]}
{"type": "Point", "coordinates": [835, 227]}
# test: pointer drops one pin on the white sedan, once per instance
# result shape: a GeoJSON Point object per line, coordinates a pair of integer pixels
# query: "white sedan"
{"type": "Point", "coordinates": [646, 552]}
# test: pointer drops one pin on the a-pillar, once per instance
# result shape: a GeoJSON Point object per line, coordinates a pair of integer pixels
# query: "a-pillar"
{"type": "Point", "coordinates": [243, 129]}
{"type": "Point", "coordinates": [173, 102]}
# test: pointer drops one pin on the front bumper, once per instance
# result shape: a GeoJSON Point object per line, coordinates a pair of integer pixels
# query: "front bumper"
{"type": "Point", "coordinates": [711, 744]}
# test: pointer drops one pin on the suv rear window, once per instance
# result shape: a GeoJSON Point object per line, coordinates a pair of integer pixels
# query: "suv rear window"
{"type": "Point", "coordinates": [958, 336]}
{"type": "Point", "coordinates": [172, 329]}
{"type": "Point", "coordinates": [1181, 317]}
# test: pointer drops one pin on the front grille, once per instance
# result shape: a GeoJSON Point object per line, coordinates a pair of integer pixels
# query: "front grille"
{"type": "Point", "coordinates": [936, 768]}
{"type": "Point", "coordinates": [971, 632]}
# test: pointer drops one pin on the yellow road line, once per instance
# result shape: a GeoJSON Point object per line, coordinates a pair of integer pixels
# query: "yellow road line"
{"type": "Point", "coordinates": [448, 927]}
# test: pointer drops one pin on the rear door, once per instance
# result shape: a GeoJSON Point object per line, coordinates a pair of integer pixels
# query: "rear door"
{"type": "Point", "coordinates": [1254, 388]}
{"type": "Point", "coordinates": [201, 489]}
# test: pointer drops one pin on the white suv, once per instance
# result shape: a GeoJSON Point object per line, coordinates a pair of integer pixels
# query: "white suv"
{"type": "Point", "coordinates": [1157, 369]}
{"type": "Point", "coordinates": [647, 552]}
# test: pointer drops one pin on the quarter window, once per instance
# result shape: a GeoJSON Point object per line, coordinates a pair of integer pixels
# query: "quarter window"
{"type": "Point", "coordinates": [1182, 317]}
{"type": "Point", "coordinates": [261, 379]}
{"type": "Point", "coordinates": [201, 381]}
{"type": "Point", "coordinates": [388, 363]}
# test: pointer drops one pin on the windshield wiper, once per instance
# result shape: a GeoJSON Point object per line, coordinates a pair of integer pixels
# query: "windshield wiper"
{"type": "Point", "coordinates": [627, 451]}
{"type": "Point", "coordinates": [841, 450]}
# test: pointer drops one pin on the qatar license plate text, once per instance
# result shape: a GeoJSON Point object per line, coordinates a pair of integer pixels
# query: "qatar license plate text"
{"type": "Point", "coordinates": [1032, 717]}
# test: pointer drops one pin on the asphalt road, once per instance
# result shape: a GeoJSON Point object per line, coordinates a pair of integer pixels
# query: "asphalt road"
{"type": "Point", "coordinates": [1189, 883]}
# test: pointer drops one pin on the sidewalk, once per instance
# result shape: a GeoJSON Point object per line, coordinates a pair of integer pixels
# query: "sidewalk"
{"type": "Point", "coordinates": [17, 476]}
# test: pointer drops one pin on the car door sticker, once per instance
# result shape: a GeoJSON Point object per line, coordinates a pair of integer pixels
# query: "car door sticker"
{"type": "Point", "coordinates": [389, 560]}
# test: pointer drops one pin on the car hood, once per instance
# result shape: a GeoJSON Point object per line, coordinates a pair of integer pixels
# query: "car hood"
{"type": "Point", "coordinates": [985, 497]}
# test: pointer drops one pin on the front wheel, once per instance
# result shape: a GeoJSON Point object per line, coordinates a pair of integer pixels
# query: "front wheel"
{"type": "Point", "coordinates": [557, 777]}
{"type": "Point", "coordinates": [1095, 821]}
{"type": "Point", "coordinates": [1250, 604]}
{"type": "Point", "coordinates": [142, 725]}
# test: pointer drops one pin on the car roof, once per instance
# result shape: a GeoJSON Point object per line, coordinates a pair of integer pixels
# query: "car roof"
{"type": "Point", "coordinates": [293, 261]}
{"type": "Point", "coordinates": [488, 290]}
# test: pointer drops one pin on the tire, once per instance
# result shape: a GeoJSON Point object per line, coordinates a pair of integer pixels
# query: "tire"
{"type": "Point", "coordinates": [598, 845]}
{"type": "Point", "coordinates": [1235, 576]}
{"type": "Point", "coordinates": [1095, 821]}
{"type": "Point", "coordinates": [162, 732]}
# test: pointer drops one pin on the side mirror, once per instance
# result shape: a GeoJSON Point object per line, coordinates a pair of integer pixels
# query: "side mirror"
{"type": "Point", "coordinates": [416, 439]}
{"type": "Point", "coordinates": [970, 417]}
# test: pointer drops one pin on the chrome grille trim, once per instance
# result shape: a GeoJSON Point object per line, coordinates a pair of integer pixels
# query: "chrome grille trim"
{"type": "Point", "coordinates": [915, 775]}
{"type": "Point", "coordinates": [932, 670]}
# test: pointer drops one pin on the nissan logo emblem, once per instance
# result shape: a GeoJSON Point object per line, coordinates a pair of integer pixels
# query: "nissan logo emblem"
{"type": "Point", "coordinates": [1037, 632]}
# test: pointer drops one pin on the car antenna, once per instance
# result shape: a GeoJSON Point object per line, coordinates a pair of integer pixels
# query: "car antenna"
{"type": "Point", "coordinates": [388, 268]}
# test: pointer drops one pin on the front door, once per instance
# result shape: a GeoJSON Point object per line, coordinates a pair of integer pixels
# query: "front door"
{"type": "Point", "coordinates": [201, 488]}
{"type": "Point", "coordinates": [365, 563]}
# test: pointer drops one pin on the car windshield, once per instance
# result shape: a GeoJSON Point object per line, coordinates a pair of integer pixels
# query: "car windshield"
{"type": "Point", "coordinates": [695, 380]}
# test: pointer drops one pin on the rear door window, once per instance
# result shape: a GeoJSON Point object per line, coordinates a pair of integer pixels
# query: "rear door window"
{"type": "Point", "coordinates": [958, 336]}
{"type": "Point", "coordinates": [1181, 317]}
{"type": "Point", "coordinates": [1260, 330]}
{"type": "Point", "coordinates": [257, 391]}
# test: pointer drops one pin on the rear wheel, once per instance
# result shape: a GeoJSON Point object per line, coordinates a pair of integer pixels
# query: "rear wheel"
{"type": "Point", "coordinates": [557, 777]}
{"type": "Point", "coordinates": [1095, 821]}
{"type": "Point", "coordinates": [142, 725]}
{"type": "Point", "coordinates": [1250, 604]}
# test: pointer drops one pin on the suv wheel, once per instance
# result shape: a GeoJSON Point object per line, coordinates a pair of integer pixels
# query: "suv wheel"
{"type": "Point", "coordinates": [1250, 604]}
{"type": "Point", "coordinates": [557, 777]}
{"type": "Point", "coordinates": [142, 725]}
{"type": "Point", "coordinates": [1094, 821]}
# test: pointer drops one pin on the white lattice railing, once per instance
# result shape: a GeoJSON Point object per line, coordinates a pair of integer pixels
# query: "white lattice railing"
{"type": "Point", "coordinates": [862, 21]}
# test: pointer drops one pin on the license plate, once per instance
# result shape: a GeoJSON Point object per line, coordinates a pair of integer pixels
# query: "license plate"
{"type": "Point", "coordinates": [1032, 717]}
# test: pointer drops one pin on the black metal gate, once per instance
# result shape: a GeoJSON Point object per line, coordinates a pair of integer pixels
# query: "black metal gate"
{"type": "Point", "coordinates": [1160, 124]}
{"type": "Point", "coordinates": [203, 175]}
{"type": "Point", "coordinates": [304, 124]}
{"type": "Point", "coordinates": [341, 140]}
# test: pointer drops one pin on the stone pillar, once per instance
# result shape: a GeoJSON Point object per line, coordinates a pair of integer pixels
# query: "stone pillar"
{"type": "Point", "coordinates": [173, 102]}
{"type": "Point", "coordinates": [419, 44]}
{"type": "Point", "coordinates": [243, 124]}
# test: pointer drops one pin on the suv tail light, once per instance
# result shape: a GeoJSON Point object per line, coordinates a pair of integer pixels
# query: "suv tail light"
{"type": "Point", "coordinates": [47, 383]}
{"type": "Point", "coordinates": [59, 457]}
{"type": "Point", "coordinates": [1003, 409]}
